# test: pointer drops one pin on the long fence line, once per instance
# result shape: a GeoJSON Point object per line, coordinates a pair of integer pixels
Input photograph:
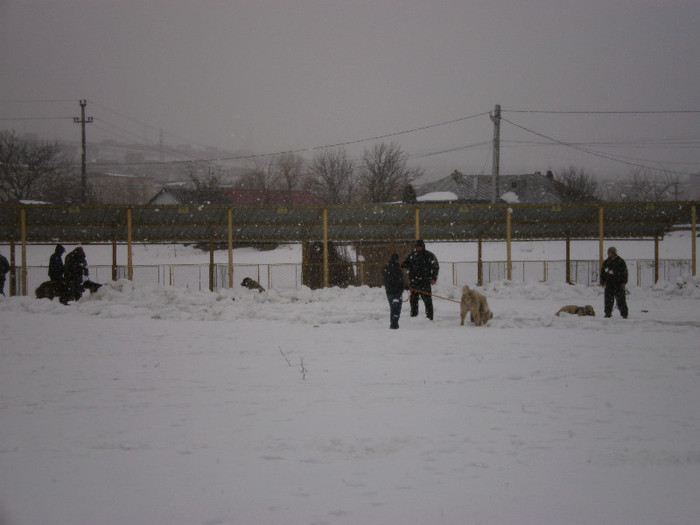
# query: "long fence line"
{"type": "Point", "coordinates": [289, 275]}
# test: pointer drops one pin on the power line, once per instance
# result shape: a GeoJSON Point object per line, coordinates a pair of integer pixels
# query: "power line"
{"type": "Point", "coordinates": [643, 112]}
{"type": "Point", "coordinates": [35, 118]}
{"type": "Point", "coordinates": [584, 150]}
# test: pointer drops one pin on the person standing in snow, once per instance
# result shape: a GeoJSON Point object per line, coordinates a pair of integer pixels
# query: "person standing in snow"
{"type": "Point", "coordinates": [394, 285]}
{"type": "Point", "coordinates": [75, 268]}
{"type": "Point", "coordinates": [4, 268]}
{"type": "Point", "coordinates": [56, 264]}
{"type": "Point", "coordinates": [423, 271]}
{"type": "Point", "coordinates": [613, 275]}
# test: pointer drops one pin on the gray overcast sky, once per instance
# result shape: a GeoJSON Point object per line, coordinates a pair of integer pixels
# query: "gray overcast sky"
{"type": "Point", "coordinates": [289, 75]}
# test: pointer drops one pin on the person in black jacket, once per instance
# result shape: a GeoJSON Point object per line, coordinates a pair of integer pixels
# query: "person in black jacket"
{"type": "Point", "coordinates": [423, 271]}
{"type": "Point", "coordinates": [613, 275]}
{"type": "Point", "coordinates": [394, 285]}
{"type": "Point", "coordinates": [56, 264]}
{"type": "Point", "coordinates": [4, 268]}
{"type": "Point", "coordinates": [76, 267]}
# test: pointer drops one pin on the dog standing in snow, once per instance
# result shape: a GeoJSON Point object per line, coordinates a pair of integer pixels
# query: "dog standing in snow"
{"type": "Point", "coordinates": [476, 305]}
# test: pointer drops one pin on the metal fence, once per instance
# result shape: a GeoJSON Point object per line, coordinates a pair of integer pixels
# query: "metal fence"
{"type": "Point", "coordinates": [289, 275]}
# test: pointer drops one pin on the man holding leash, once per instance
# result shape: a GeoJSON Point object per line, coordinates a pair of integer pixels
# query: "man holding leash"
{"type": "Point", "coordinates": [423, 271]}
{"type": "Point", "coordinates": [613, 275]}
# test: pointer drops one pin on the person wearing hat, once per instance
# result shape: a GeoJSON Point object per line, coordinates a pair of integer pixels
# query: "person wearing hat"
{"type": "Point", "coordinates": [76, 269]}
{"type": "Point", "coordinates": [613, 275]}
{"type": "Point", "coordinates": [423, 271]}
{"type": "Point", "coordinates": [395, 285]}
{"type": "Point", "coordinates": [56, 267]}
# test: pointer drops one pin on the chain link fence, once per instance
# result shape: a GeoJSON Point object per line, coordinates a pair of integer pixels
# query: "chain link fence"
{"type": "Point", "coordinates": [290, 275]}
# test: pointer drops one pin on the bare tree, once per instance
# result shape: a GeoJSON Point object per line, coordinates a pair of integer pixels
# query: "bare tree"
{"type": "Point", "coordinates": [290, 167]}
{"type": "Point", "coordinates": [384, 173]}
{"type": "Point", "coordinates": [261, 176]}
{"type": "Point", "coordinates": [578, 186]}
{"type": "Point", "coordinates": [207, 187]}
{"type": "Point", "coordinates": [644, 186]}
{"type": "Point", "coordinates": [332, 176]}
{"type": "Point", "coordinates": [28, 169]}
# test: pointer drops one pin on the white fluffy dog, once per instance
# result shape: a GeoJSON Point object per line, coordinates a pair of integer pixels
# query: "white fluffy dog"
{"type": "Point", "coordinates": [476, 304]}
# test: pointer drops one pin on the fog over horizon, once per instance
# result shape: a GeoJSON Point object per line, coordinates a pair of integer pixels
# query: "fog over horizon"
{"type": "Point", "coordinates": [606, 86]}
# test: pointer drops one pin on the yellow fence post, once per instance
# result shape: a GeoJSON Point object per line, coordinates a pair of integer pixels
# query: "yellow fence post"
{"type": "Point", "coordinates": [694, 242]}
{"type": "Point", "coordinates": [326, 273]}
{"type": "Point", "coordinates": [129, 248]}
{"type": "Point", "coordinates": [23, 278]}
{"type": "Point", "coordinates": [230, 247]}
{"type": "Point", "coordinates": [509, 269]}
{"type": "Point", "coordinates": [601, 251]}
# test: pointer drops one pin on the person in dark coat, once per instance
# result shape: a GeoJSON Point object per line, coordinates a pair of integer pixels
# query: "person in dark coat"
{"type": "Point", "coordinates": [613, 275]}
{"type": "Point", "coordinates": [4, 268]}
{"type": "Point", "coordinates": [395, 285]}
{"type": "Point", "coordinates": [75, 269]}
{"type": "Point", "coordinates": [423, 271]}
{"type": "Point", "coordinates": [56, 268]}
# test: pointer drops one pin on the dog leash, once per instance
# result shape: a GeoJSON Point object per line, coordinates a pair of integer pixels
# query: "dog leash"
{"type": "Point", "coordinates": [433, 295]}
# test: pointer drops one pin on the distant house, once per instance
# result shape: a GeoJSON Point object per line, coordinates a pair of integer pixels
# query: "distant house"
{"type": "Point", "coordinates": [238, 197]}
{"type": "Point", "coordinates": [533, 188]}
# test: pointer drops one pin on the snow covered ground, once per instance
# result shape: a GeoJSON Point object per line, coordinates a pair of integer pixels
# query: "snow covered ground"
{"type": "Point", "coordinates": [159, 405]}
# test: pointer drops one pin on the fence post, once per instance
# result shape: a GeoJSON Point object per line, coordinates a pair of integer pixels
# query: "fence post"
{"type": "Point", "coordinates": [211, 265]}
{"type": "Point", "coordinates": [479, 265]}
{"type": "Point", "coordinates": [568, 260]}
{"type": "Point", "coordinates": [656, 259]}
{"type": "Point", "coordinates": [230, 248]}
{"type": "Point", "coordinates": [509, 269]}
{"type": "Point", "coordinates": [23, 278]}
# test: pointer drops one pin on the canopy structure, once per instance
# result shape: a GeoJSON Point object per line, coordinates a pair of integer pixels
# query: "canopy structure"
{"type": "Point", "coordinates": [38, 223]}
{"type": "Point", "coordinates": [437, 222]}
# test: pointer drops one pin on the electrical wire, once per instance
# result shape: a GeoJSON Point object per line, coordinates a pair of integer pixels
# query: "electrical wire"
{"type": "Point", "coordinates": [589, 152]}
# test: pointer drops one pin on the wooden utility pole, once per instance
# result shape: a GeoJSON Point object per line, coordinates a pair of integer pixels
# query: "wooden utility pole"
{"type": "Point", "coordinates": [83, 164]}
{"type": "Point", "coordinates": [495, 166]}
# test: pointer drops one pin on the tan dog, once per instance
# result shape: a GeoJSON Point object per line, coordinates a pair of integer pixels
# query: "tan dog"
{"type": "Point", "coordinates": [476, 304]}
{"type": "Point", "coordinates": [577, 310]}
{"type": "Point", "coordinates": [252, 285]}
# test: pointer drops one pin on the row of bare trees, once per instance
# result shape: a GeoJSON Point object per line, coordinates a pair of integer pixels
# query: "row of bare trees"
{"type": "Point", "coordinates": [380, 176]}
{"type": "Point", "coordinates": [37, 170]}
{"type": "Point", "coordinates": [641, 185]}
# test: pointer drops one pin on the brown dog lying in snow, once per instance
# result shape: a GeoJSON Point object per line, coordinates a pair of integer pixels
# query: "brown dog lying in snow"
{"type": "Point", "coordinates": [477, 306]}
{"type": "Point", "coordinates": [577, 310]}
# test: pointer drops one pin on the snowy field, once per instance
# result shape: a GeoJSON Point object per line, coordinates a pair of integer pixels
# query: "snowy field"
{"type": "Point", "coordinates": [159, 405]}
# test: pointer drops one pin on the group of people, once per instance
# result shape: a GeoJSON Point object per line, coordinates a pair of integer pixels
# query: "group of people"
{"type": "Point", "coordinates": [423, 271]}
{"type": "Point", "coordinates": [71, 272]}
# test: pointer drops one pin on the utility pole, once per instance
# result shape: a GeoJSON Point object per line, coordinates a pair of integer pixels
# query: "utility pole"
{"type": "Point", "coordinates": [83, 168]}
{"type": "Point", "coordinates": [495, 167]}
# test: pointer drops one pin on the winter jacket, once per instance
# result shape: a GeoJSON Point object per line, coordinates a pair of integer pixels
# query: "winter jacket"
{"type": "Point", "coordinates": [613, 272]}
{"type": "Point", "coordinates": [422, 267]}
{"type": "Point", "coordinates": [393, 279]}
{"type": "Point", "coordinates": [56, 266]}
{"type": "Point", "coordinates": [76, 265]}
{"type": "Point", "coordinates": [4, 265]}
